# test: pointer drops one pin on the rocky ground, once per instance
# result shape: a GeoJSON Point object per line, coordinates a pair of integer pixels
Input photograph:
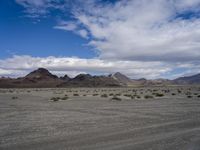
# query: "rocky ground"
{"type": "Point", "coordinates": [146, 118]}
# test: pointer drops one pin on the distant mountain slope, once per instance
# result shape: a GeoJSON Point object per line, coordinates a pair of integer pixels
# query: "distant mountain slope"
{"type": "Point", "coordinates": [86, 80]}
{"type": "Point", "coordinates": [38, 78]}
{"type": "Point", "coordinates": [41, 74]}
{"type": "Point", "coordinates": [42, 78]}
{"type": "Point", "coordinates": [121, 78]}
{"type": "Point", "coordinates": [194, 79]}
{"type": "Point", "coordinates": [124, 80]}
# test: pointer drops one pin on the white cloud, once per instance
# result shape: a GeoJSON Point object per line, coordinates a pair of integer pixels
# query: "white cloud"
{"type": "Point", "coordinates": [83, 33]}
{"type": "Point", "coordinates": [40, 8]}
{"type": "Point", "coordinates": [4, 72]}
{"type": "Point", "coordinates": [141, 38]}
{"type": "Point", "coordinates": [21, 65]}
{"type": "Point", "coordinates": [66, 25]}
{"type": "Point", "coordinates": [71, 26]}
{"type": "Point", "coordinates": [143, 30]}
{"type": "Point", "coordinates": [184, 4]}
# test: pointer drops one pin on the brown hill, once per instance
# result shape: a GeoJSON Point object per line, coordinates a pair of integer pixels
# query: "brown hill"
{"type": "Point", "coordinates": [38, 78]}
{"type": "Point", "coordinates": [40, 74]}
{"type": "Point", "coordinates": [42, 78]}
{"type": "Point", "coordinates": [86, 80]}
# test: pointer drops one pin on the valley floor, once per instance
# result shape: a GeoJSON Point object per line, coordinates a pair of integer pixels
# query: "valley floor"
{"type": "Point", "coordinates": [93, 118]}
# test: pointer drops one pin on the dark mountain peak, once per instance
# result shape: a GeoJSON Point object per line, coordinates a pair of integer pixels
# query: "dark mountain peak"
{"type": "Point", "coordinates": [42, 69]}
{"type": "Point", "coordinates": [41, 73]}
{"type": "Point", "coordinates": [65, 78]}
{"type": "Point", "coordinates": [118, 74]}
{"type": "Point", "coordinates": [81, 77]}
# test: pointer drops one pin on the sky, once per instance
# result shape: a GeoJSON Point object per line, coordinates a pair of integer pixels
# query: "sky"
{"type": "Point", "coordinates": [139, 38]}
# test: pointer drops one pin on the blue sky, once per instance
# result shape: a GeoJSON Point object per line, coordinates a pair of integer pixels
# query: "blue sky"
{"type": "Point", "coordinates": [21, 35]}
{"type": "Point", "coordinates": [151, 39]}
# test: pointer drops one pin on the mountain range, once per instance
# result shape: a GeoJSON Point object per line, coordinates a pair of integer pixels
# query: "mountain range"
{"type": "Point", "coordinates": [42, 78]}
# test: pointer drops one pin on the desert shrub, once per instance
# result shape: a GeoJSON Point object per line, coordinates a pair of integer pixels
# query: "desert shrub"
{"type": "Point", "coordinates": [198, 96]}
{"type": "Point", "coordinates": [173, 93]}
{"type": "Point", "coordinates": [55, 99]}
{"type": "Point", "coordinates": [116, 98]}
{"type": "Point", "coordinates": [148, 96]}
{"type": "Point", "coordinates": [127, 95]}
{"type": "Point", "coordinates": [64, 98]}
{"type": "Point", "coordinates": [111, 94]}
{"type": "Point", "coordinates": [138, 96]}
{"type": "Point", "coordinates": [166, 91]}
{"type": "Point", "coordinates": [95, 94]}
{"type": "Point", "coordinates": [179, 91]}
{"type": "Point", "coordinates": [11, 91]}
{"type": "Point", "coordinates": [14, 97]}
{"type": "Point", "coordinates": [118, 94]}
{"type": "Point", "coordinates": [84, 94]}
{"type": "Point", "coordinates": [159, 94]}
{"type": "Point", "coordinates": [133, 96]}
{"type": "Point", "coordinates": [189, 96]}
{"type": "Point", "coordinates": [104, 95]}
{"type": "Point", "coordinates": [75, 94]}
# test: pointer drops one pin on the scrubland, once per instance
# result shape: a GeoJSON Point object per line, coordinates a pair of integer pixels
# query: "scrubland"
{"type": "Point", "coordinates": [143, 118]}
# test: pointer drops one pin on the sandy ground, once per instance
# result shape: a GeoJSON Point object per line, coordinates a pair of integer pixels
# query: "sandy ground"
{"type": "Point", "coordinates": [29, 120]}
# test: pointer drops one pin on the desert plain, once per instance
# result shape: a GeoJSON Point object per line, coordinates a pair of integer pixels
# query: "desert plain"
{"type": "Point", "coordinates": [133, 118]}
